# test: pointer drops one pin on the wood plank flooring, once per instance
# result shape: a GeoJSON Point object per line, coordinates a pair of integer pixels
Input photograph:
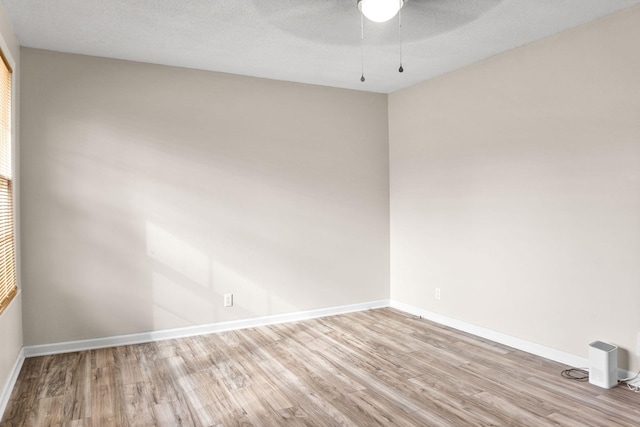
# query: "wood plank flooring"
{"type": "Point", "coordinates": [378, 367]}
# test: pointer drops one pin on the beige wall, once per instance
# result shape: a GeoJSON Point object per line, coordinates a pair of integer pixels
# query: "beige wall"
{"type": "Point", "coordinates": [11, 318]}
{"type": "Point", "coordinates": [515, 189]}
{"type": "Point", "coordinates": [151, 191]}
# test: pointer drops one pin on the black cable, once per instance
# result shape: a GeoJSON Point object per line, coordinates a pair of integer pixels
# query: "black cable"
{"type": "Point", "coordinates": [576, 374]}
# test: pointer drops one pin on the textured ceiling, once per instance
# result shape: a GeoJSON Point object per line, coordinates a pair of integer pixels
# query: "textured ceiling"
{"type": "Point", "coordinates": [309, 41]}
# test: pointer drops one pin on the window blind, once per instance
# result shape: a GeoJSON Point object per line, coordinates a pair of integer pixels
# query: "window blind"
{"type": "Point", "coordinates": [8, 287]}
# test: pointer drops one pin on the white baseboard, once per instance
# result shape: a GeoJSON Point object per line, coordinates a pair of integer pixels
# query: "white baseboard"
{"type": "Point", "coordinates": [517, 343]}
{"type": "Point", "coordinates": [151, 336]}
{"type": "Point", "coordinates": [5, 393]}
{"type": "Point", "coordinates": [143, 337]}
{"type": "Point", "coordinates": [520, 344]}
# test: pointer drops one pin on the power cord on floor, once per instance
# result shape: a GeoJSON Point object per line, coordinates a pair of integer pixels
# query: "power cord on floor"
{"type": "Point", "coordinates": [576, 374]}
{"type": "Point", "coordinates": [582, 374]}
{"type": "Point", "coordinates": [628, 381]}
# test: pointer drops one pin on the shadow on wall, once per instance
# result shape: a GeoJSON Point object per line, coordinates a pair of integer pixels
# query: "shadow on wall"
{"type": "Point", "coordinates": [139, 249]}
{"type": "Point", "coordinates": [153, 191]}
{"type": "Point", "coordinates": [188, 286]}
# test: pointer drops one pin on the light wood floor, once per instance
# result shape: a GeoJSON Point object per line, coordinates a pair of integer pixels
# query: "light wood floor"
{"type": "Point", "coordinates": [379, 367]}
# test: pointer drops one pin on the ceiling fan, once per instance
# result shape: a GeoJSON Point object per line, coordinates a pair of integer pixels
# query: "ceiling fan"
{"type": "Point", "coordinates": [334, 22]}
{"type": "Point", "coordinates": [422, 19]}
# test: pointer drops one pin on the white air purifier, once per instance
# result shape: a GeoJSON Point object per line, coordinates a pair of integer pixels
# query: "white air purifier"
{"type": "Point", "coordinates": [603, 364]}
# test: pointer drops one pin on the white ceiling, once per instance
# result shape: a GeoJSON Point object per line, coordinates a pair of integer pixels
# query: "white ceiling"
{"type": "Point", "coordinates": [308, 41]}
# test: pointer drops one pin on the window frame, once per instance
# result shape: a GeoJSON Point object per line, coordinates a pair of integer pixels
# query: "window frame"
{"type": "Point", "coordinates": [9, 62]}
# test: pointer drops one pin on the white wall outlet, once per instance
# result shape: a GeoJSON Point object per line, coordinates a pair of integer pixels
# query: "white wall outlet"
{"type": "Point", "coordinates": [437, 293]}
{"type": "Point", "coordinates": [228, 300]}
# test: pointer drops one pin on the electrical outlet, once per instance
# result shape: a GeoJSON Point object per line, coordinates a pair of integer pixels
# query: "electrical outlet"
{"type": "Point", "coordinates": [228, 300]}
{"type": "Point", "coordinates": [437, 293]}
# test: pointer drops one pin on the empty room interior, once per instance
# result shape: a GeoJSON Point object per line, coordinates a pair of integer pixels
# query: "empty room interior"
{"type": "Point", "coordinates": [286, 213]}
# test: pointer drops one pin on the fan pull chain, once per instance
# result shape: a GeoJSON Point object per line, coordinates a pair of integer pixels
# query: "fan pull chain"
{"type": "Point", "coordinates": [400, 38]}
{"type": "Point", "coordinates": [362, 46]}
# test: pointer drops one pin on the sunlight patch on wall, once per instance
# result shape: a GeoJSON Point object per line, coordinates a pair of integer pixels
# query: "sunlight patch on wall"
{"type": "Point", "coordinates": [177, 255]}
{"type": "Point", "coordinates": [253, 295]}
{"type": "Point", "coordinates": [174, 305]}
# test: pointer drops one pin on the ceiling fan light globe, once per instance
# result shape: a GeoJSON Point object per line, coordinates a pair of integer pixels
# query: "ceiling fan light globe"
{"type": "Point", "coordinates": [380, 10]}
